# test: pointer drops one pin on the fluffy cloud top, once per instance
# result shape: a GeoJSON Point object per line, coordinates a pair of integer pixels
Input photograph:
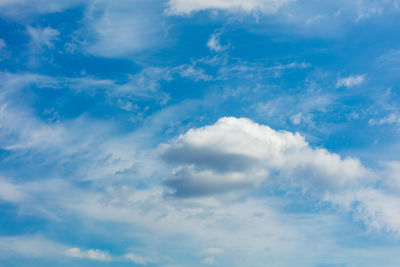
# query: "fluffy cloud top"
{"type": "Point", "coordinates": [186, 7]}
{"type": "Point", "coordinates": [237, 153]}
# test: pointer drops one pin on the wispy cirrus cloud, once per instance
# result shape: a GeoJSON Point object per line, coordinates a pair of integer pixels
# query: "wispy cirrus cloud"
{"type": "Point", "coordinates": [42, 37]}
{"type": "Point", "coordinates": [121, 29]}
{"type": "Point", "coordinates": [392, 118]}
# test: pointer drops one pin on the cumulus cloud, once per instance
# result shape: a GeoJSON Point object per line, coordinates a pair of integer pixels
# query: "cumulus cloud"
{"type": "Point", "coordinates": [237, 153]}
{"type": "Point", "coordinates": [351, 81]}
{"type": "Point", "coordinates": [92, 254]}
{"type": "Point", "coordinates": [186, 7]}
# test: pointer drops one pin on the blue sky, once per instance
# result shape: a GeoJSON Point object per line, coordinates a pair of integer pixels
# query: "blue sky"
{"type": "Point", "coordinates": [199, 133]}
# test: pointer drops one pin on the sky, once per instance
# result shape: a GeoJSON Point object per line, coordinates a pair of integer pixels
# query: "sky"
{"type": "Point", "coordinates": [199, 133]}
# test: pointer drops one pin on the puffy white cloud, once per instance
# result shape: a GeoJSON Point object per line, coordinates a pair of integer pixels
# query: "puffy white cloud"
{"type": "Point", "coordinates": [92, 254]}
{"type": "Point", "coordinates": [186, 7]}
{"type": "Point", "coordinates": [351, 81]}
{"type": "Point", "coordinates": [237, 153]}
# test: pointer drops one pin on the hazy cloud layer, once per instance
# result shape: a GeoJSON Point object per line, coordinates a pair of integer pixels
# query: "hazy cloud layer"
{"type": "Point", "coordinates": [182, 7]}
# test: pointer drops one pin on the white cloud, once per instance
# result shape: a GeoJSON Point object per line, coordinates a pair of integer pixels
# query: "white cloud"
{"type": "Point", "coordinates": [10, 192]}
{"type": "Point", "coordinates": [29, 246]}
{"type": "Point", "coordinates": [214, 43]}
{"type": "Point", "coordinates": [92, 254]}
{"type": "Point", "coordinates": [249, 231]}
{"type": "Point", "coordinates": [137, 259]}
{"type": "Point", "coordinates": [297, 118]}
{"type": "Point", "coordinates": [392, 118]}
{"type": "Point", "coordinates": [2, 44]}
{"type": "Point", "coordinates": [4, 54]}
{"type": "Point", "coordinates": [42, 37]}
{"type": "Point", "coordinates": [40, 40]}
{"type": "Point", "coordinates": [21, 9]}
{"type": "Point", "coordinates": [351, 81]}
{"type": "Point", "coordinates": [109, 29]}
{"type": "Point", "coordinates": [186, 7]}
{"type": "Point", "coordinates": [90, 142]}
{"type": "Point", "coordinates": [213, 251]}
{"type": "Point", "coordinates": [235, 154]}
{"type": "Point", "coordinates": [19, 128]}
{"type": "Point", "coordinates": [293, 65]}
{"type": "Point", "coordinates": [379, 210]}
{"type": "Point", "coordinates": [391, 174]}
{"type": "Point", "coordinates": [191, 72]}
{"type": "Point", "coordinates": [200, 221]}
{"type": "Point", "coordinates": [121, 28]}
{"type": "Point", "coordinates": [209, 260]}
